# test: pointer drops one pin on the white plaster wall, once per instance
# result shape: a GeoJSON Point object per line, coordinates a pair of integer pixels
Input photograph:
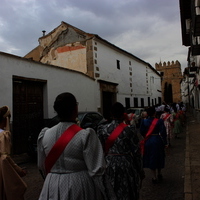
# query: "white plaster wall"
{"type": "Point", "coordinates": [141, 73]}
{"type": "Point", "coordinates": [154, 85]}
{"type": "Point", "coordinates": [184, 90]}
{"type": "Point", "coordinates": [58, 80]}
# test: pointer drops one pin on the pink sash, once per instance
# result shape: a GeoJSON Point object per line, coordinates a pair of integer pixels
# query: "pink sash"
{"type": "Point", "coordinates": [59, 146]}
{"type": "Point", "coordinates": [113, 136]}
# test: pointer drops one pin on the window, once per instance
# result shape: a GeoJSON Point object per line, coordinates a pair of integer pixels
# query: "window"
{"type": "Point", "coordinates": [149, 102]}
{"type": "Point", "coordinates": [159, 100]}
{"type": "Point", "coordinates": [142, 102]}
{"type": "Point", "coordinates": [152, 102]}
{"type": "Point", "coordinates": [127, 102]}
{"type": "Point", "coordinates": [118, 64]}
{"type": "Point", "coordinates": [135, 102]}
{"type": "Point", "coordinates": [97, 75]}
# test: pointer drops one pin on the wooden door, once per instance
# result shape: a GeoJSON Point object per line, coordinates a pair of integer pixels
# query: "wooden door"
{"type": "Point", "coordinates": [27, 112]}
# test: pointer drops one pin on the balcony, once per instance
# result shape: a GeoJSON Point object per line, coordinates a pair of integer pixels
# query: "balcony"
{"type": "Point", "coordinates": [191, 75]}
{"type": "Point", "coordinates": [185, 14]}
{"type": "Point", "coordinates": [197, 25]}
{"type": "Point", "coordinates": [195, 49]}
{"type": "Point", "coordinates": [193, 69]}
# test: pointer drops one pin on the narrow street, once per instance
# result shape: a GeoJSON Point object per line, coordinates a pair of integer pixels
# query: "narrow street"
{"type": "Point", "coordinates": [172, 187]}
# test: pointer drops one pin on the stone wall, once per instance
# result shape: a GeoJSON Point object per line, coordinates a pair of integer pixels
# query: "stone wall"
{"type": "Point", "coordinates": [171, 75]}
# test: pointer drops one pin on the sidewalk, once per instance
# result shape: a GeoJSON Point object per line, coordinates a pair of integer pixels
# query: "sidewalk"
{"type": "Point", "coordinates": [192, 156]}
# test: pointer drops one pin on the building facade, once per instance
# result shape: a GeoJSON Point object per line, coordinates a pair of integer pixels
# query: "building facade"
{"type": "Point", "coordinates": [171, 81]}
{"type": "Point", "coordinates": [190, 28]}
{"type": "Point", "coordinates": [68, 59]}
{"type": "Point", "coordinates": [122, 76]}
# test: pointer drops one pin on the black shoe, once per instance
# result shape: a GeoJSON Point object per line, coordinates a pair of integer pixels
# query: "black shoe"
{"type": "Point", "coordinates": [160, 177]}
{"type": "Point", "coordinates": [154, 181]}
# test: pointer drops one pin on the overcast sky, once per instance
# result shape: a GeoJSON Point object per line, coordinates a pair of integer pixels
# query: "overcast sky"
{"type": "Point", "coordinates": [149, 29]}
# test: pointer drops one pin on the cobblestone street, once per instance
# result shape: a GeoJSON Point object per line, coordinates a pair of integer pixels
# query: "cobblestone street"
{"type": "Point", "coordinates": [172, 187]}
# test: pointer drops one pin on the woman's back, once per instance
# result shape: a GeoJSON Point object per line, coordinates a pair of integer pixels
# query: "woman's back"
{"type": "Point", "coordinates": [72, 173]}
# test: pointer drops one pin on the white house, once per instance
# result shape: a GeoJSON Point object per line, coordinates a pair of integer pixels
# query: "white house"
{"type": "Point", "coordinates": [29, 88]}
{"type": "Point", "coordinates": [97, 72]}
{"type": "Point", "coordinates": [122, 76]}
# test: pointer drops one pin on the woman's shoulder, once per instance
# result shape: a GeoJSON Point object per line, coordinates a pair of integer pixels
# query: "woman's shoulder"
{"type": "Point", "coordinates": [5, 134]}
{"type": "Point", "coordinates": [88, 131]}
{"type": "Point", "coordinates": [87, 134]}
{"type": "Point", "coordinates": [42, 132]}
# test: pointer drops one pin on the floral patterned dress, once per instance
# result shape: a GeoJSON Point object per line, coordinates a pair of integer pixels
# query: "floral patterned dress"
{"type": "Point", "coordinates": [124, 162]}
{"type": "Point", "coordinates": [177, 129]}
{"type": "Point", "coordinates": [168, 120]}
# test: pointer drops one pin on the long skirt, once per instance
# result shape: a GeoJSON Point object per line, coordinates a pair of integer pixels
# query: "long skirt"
{"type": "Point", "coordinates": [154, 153]}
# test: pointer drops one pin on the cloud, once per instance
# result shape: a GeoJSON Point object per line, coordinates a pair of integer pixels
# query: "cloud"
{"type": "Point", "coordinates": [149, 29]}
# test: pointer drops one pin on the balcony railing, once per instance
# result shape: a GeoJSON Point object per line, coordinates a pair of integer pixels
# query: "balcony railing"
{"type": "Point", "coordinates": [195, 49]}
{"type": "Point", "coordinates": [197, 25]}
{"type": "Point", "coordinates": [195, 11]}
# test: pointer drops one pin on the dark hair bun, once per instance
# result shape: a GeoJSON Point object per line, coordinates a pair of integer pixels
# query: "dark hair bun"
{"type": "Point", "coordinates": [117, 110]}
{"type": "Point", "coordinates": [64, 105]}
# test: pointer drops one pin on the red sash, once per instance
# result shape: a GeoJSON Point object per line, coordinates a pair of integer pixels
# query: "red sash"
{"type": "Point", "coordinates": [151, 128]}
{"type": "Point", "coordinates": [166, 117]}
{"type": "Point", "coordinates": [113, 136]}
{"type": "Point", "coordinates": [131, 117]}
{"type": "Point", "coordinates": [60, 145]}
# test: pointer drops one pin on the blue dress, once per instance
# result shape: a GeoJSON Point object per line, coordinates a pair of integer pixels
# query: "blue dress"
{"type": "Point", "coordinates": [154, 149]}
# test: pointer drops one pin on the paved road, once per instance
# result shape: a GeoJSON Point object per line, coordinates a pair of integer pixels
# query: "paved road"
{"type": "Point", "coordinates": [172, 187]}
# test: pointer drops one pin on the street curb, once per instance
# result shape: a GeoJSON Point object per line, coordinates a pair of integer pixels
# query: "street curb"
{"type": "Point", "coordinates": [188, 195]}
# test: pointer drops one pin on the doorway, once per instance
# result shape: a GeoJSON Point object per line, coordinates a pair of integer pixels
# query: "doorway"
{"type": "Point", "coordinates": [27, 111]}
{"type": "Point", "coordinates": [108, 97]}
{"type": "Point", "coordinates": [108, 100]}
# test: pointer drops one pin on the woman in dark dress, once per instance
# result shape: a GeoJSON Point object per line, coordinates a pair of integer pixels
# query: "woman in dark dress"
{"type": "Point", "coordinates": [155, 144]}
{"type": "Point", "coordinates": [124, 161]}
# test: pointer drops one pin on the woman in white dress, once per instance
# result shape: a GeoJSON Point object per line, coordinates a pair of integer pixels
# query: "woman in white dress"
{"type": "Point", "coordinates": [78, 172]}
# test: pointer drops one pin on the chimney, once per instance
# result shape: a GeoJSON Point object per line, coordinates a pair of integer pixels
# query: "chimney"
{"type": "Point", "coordinates": [44, 33]}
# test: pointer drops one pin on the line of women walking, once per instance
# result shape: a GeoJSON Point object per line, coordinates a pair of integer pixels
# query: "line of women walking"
{"type": "Point", "coordinates": [100, 166]}
{"type": "Point", "coordinates": [81, 164]}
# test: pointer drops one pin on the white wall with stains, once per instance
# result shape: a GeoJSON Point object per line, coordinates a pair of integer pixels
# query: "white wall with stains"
{"type": "Point", "coordinates": [58, 80]}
